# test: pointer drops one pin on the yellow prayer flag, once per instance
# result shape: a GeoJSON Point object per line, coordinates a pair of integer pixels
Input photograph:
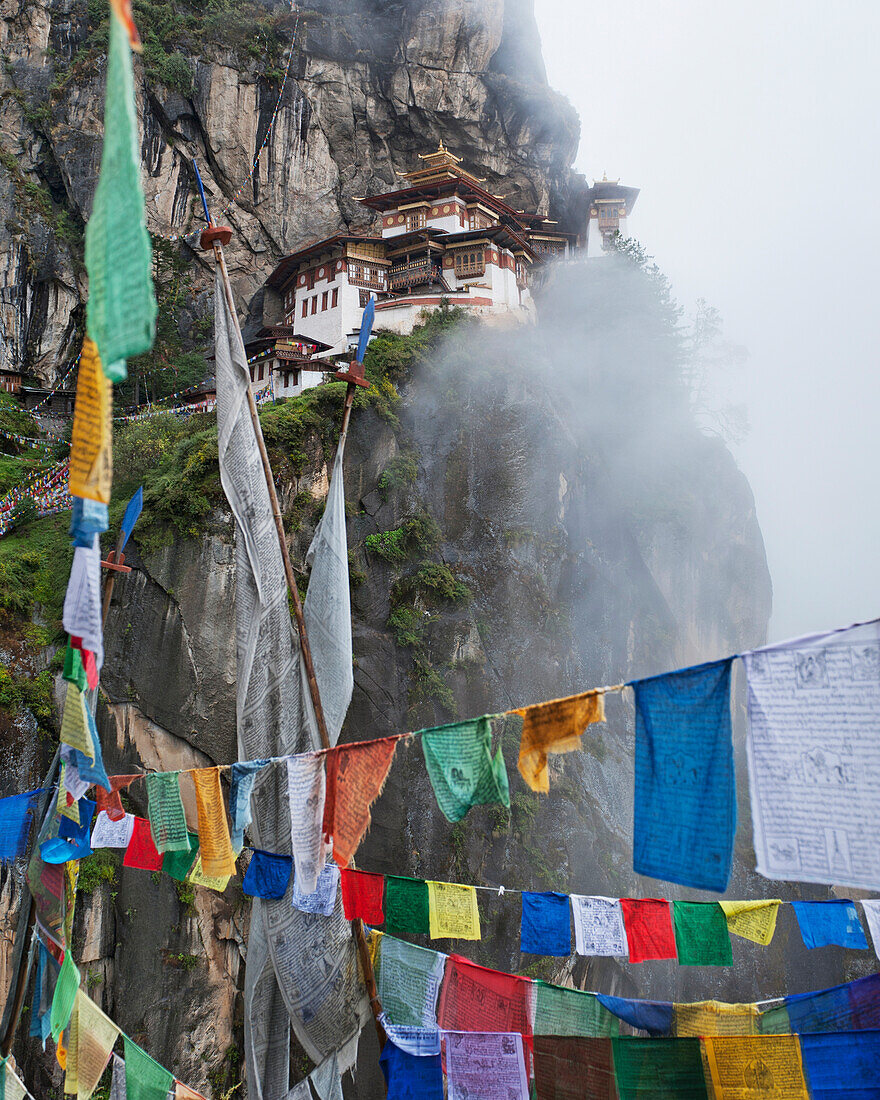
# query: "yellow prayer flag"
{"type": "Point", "coordinates": [215, 852]}
{"type": "Point", "coordinates": [96, 1035]}
{"type": "Point", "coordinates": [71, 1076]}
{"type": "Point", "coordinates": [555, 726]}
{"type": "Point", "coordinates": [91, 443]}
{"type": "Point", "coordinates": [199, 878]}
{"type": "Point", "coordinates": [71, 877]}
{"type": "Point", "coordinates": [715, 1018]}
{"type": "Point", "coordinates": [373, 941]}
{"type": "Point", "coordinates": [766, 1065]}
{"type": "Point", "coordinates": [452, 911]}
{"type": "Point", "coordinates": [75, 724]}
{"type": "Point", "coordinates": [752, 920]}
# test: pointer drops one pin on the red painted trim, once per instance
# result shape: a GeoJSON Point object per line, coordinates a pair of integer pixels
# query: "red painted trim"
{"type": "Point", "coordinates": [467, 300]}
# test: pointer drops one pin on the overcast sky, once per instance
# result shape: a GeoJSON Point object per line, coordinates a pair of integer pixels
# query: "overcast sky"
{"type": "Point", "coordinates": [752, 130]}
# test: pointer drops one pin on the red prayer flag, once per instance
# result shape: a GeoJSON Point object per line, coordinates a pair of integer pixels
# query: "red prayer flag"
{"type": "Point", "coordinates": [141, 851]}
{"type": "Point", "coordinates": [649, 932]}
{"type": "Point", "coordinates": [362, 895]}
{"type": "Point", "coordinates": [356, 775]}
{"type": "Point", "coordinates": [475, 998]}
{"type": "Point", "coordinates": [88, 660]}
{"type": "Point", "coordinates": [109, 801]}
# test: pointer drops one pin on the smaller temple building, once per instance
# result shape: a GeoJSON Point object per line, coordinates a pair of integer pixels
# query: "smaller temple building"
{"type": "Point", "coordinates": [442, 237]}
{"type": "Point", "coordinates": [610, 206]}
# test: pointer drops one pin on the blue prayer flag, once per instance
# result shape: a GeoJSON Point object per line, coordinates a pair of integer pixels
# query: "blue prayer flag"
{"type": "Point", "coordinates": [267, 875]}
{"type": "Point", "coordinates": [132, 511]}
{"type": "Point", "coordinates": [685, 796]}
{"type": "Point", "coordinates": [323, 899]}
{"type": "Point", "coordinates": [88, 518]}
{"type": "Point", "coordinates": [90, 771]}
{"type": "Point", "coordinates": [41, 1023]}
{"type": "Point", "coordinates": [244, 774]}
{"type": "Point", "coordinates": [655, 1017]}
{"type": "Point", "coordinates": [366, 328]}
{"type": "Point", "coordinates": [824, 923]}
{"type": "Point", "coordinates": [410, 1077]}
{"type": "Point", "coordinates": [854, 1006]}
{"type": "Point", "coordinates": [842, 1066]}
{"type": "Point", "coordinates": [546, 924]}
{"type": "Point", "coordinates": [79, 833]}
{"type": "Point", "coordinates": [15, 824]}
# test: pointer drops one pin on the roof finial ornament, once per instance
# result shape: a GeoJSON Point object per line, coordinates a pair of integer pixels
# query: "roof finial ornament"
{"type": "Point", "coordinates": [441, 148]}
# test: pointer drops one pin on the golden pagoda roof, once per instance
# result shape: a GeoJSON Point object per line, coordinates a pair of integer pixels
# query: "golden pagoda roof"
{"type": "Point", "coordinates": [439, 165]}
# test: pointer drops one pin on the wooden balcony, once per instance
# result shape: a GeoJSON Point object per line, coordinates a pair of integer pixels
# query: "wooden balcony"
{"type": "Point", "coordinates": [415, 273]}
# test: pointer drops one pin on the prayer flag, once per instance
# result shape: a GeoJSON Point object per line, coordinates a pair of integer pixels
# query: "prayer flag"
{"type": "Point", "coordinates": [132, 512]}
{"type": "Point", "coordinates": [165, 807]}
{"type": "Point", "coordinates": [419, 1041]}
{"type": "Point", "coordinates": [872, 916]}
{"type": "Point", "coordinates": [655, 1017]}
{"type": "Point", "coordinates": [117, 1084]}
{"type": "Point", "coordinates": [774, 1021]}
{"type": "Point", "coordinates": [563, 1011]}
{"type": "Point", "coordinates": [16, 815]}
{"type": "Point", "coordinates": [685, 798]}
{"type": "Point", "coordinates": [95, 1036]}
{"type": "Point", "coordinates": [306, 794]}
{"type": "Point", "coordinates": [144, 1078]}
{"type": "Point", "coordinates": [767, 1065]}
{"type": "Point", "coordinates": [598, 926]}
{"type": "Point", "coordinates": [649, 934]}
{"type": "Point", "coordinates": [91, 443]}
{"type": "Point", "coordinates": [485, 1064]}
{"type": "Point", "coordinates": [752, 920]}
{"type": "Point", "coordinates": [406, 906]}
{"type": "Point", "coordinates": [112, 834]}
{"type": "Point", "coordinates": [184, 1092]}
{"type": "Point", "coordinates": [573, 1068]}
{"type": "Point", "coordinates": [87, 518]}
{"type": "Point", "coordinates": [823, 923]}
{"type": "Point", "coordinates": [842, 1066]}
{"type": "Point", "coordinates": [13, 1089]}
{"type": "Point", "coordinates": [65, 994]}
{"type": "Point", "coordinates": [410, 1077]}
{"type": "Point", "coordinates": [366, 327]}
{"type": "Point", "coordinates": [141, 852]}
{"type": "Point", "coordinates": [545, 925]}
{"type": "Point", "coordinates": [73, 666]}
{"type": "Point", "coordinates": [362, 895]}
{"type": "Point", "coordinates": [243, 775]}
{"type": "Point", "coordinates": [81, 616]}
{"type": "Point", "coordinates": [408, 981]}
{"type": "Point", "coordinates": [79, 833]}
{"type": "Point", "coordinates": [74, 724]}
{"type": "Point", "coordinates": [555, 726]}
{"type": "Point", "coordinates": [814, 723]}
{"type": "Point", "coordinates": [215, 850]}
{"type": "Point", "coordinates": [356, 774]}
{"type": "Point", "coordinates": [41, 1005]}
{"type": "Point", "coordinates": [109, 801]}
{"type": "Point", "coordinates": [90, 767]}
{"type": "Point", "coordinates": [323, 898]}
{"type": "Point", "coordinates": [461, 767]}
{"type": "Point", "coordinates": [179, 864]}
{"type": "Point", "coordinates": [453, 911]}
{"type": "Point", "coordinates": [715, 1018]}
{"type": "Point", "coordinates": [474, 996]}
{"type": "Point", "coordinates": [701, 936]}
{"type": "Point", "coordinates": [659, 1069]}
{"type": "Point", "coordinates": [210, 882]}
{"type": "Point", "coordinates": [854, 1006]}
{"type": "Point", "coordinates": [121, 309]}
{"type": "Point", "coordinates": [326, 1078]}
{"type": "Point", "coordinates": [267, 875]}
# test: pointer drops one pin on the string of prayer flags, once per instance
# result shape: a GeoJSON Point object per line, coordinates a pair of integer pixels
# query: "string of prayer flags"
{"type": "Point", "coordinates": [474, 997]}
{"type": "Point", "coordinates": [598, 926]}
{"type": "Point", "coordinates": [469, 1056]}
{"type": "Point", "coordinates": [91, 443]}
{"type": "Point", "coordinates": [410, 1077]}
{"type": "Point", "coordinates": [653, 1069]}
{"type": "Point", "coordinates": [306, 790]}
{"type": "Point", "coordinates": [74, 724]}
{"type": "Point", "coordinates": [91, 1044]}
{"type": "Point", "coordinates": [267, 875]}
{"type": "Point", "coordinates": [323, 898]}
{"type": "Point", "coordinates": [179, 864]}
{"type": "Point", "coordinates": [555, 726]}
{"type": "Point", "coordinates": [216, 855]}
{"type": "Point", "coordinates": [715, 1018]}
{"type": "Point", "coordinates": [141, 852]}
{"type": "Point", "coordinates": [408, 980]}
{"type": "Point", "coordinates": [113, 834]}
{"type": "Point", "coordinates": [649, 934]}
{"type": "Point", "coordinates": [109, 801]}
{"type": "Point", "coordinates": [560, 1010]}
{"type": "Point", "coordinates": [65, 995]}
{"type": "Point", "coordinates": [407, 911]}
{"type": "Point", "coordinates": [242, 777]}
{"type": "Point", "coordinates": [121, 309]}
{"type": "Point", "coordinates": [841, 1065]}
{"type": "Point", "coordinates": [145, 1079]}
{"type": "Point", "coordinates": [356, 774]}
{"type": "Point", "coordinates": [16, 815]}
{"type": "Point", "coordinates": [462, 769]}
{"type": "Point", "coordinates": [165, 809]}
{"type": "Point", "coordinates": [769, 1065]}
{"type": "Point", "coordinates": [573, 1068]}
{"type": "Point", "coordinates": [685, 798]}
{"type": "Point", "coordinates": [871, 908]}
{"type": "Point", "coordinates": [545, 926]}
{"type": "Point", "coordinates": [701, 936]}
{"type": "Point", "coordinates": [362, 895]}
{"type": "Point", "coordinates": [655, 1017]}
{"type": "Point", "coordinates": [453, 912]}
{"type": "Point", "coordinates": [81, 615]}
{"type": "Point", "coordinates": [814, 721]}
{"type": "Point", "coordinates": [823, 923]}
{"type": "Point", "coordinates": [752, 920]}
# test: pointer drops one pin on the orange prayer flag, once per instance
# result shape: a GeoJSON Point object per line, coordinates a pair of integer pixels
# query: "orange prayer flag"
{"type": "Point", "coordinates": [356, 775]}
{"type": "Point", "coordinates": [218, 859]}
{"type": "Point", "coordinates": [555, 726]}
{"type": "Point", "coordinates": [122, 11]}
{"type": "Point", "coordinates": [184, 1092]}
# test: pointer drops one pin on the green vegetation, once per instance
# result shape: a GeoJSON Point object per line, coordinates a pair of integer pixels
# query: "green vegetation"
{"type": "Point", "coordinates": [400, 473]}
{"type": "Point", "coordinates": [35, 694]}
{"type": "Point", "coordinates": [100, 867]}
{"type": "Point", "coordinates": [186, 893]}
{"type": "Point", "coordinates": [183, 961]}
{"type": "Point", "coordinates": [35, 563]}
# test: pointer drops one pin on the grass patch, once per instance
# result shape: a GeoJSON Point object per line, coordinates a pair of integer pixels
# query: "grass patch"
{"type": "Point", "coordinates": [100, 867]}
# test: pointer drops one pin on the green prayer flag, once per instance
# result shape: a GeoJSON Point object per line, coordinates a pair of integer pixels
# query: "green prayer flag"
{"type": "Point", "coordinates": [121, 309]}
{"type": "Point", "coordinates": [570, 1012]}
{"type": "Point", "coordinates": [73, 668]}
{"type": "Point", "coordinates": [65, 994]}
{"type": "Point", "coordinates": [408, 980]}
{"type": "Point", "coordinates": [406, 906]}
{"type": "Point", "coordinates": [659, 1069]}
{"type": "Point", "coordinates": [144, 1078]}
{"type": "Point", "coordinates": [179, 864]}
{"type": "Point", "coordinates": [461, 766]}
{"type": "Point", "coordinates": [701, 934]}
{"type": "Point", "coordinates": [165, 810]}
{"type": "Point", "coordinates": [775, 1021]}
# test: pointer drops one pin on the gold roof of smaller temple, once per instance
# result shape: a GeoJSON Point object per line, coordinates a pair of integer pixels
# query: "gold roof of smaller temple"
{"type": "Point", "coordinates": [439, 165]}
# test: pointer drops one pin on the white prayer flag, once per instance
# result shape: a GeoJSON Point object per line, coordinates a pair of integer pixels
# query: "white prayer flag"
{"type": "Point", "coordinates": [306, 788]}
{"type": "Point", "coordinates": [82, 601]}
{"type": "Point", "coordinates": [112, 834]}
{"type": "Point", "coordinates": [598, 926]}
{"type": "Point", "coordinates": [872, 916]}
{"type": "Point", "coordinates": [488, 1065]}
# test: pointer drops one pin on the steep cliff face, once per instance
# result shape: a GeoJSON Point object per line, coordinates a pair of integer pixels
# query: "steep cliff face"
{"type": "Point", "coordinates": [370, 87]}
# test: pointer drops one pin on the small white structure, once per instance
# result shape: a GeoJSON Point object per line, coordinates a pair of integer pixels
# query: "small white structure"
{"type": "Point", "coordinates": [610, 206]}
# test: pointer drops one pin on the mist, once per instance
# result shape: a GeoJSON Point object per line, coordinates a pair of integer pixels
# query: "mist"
{"type": "Point", "coordinates": [750, 129]}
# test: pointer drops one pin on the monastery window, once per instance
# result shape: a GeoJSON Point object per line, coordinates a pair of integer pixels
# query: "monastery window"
{"type": "Point", "coordinates": [324, 297]}
{"type": "Point", "coordinates": [364, 298]}
{"type": "Point", "coordinates": [469, 263]}
{"type": "Point", "coordinates": [335, 300]}
{"type": "Point", "coordinates": [305, 312]}
{"type": "Point", "coordinates": [314, 305]}
{"type": "Point", "coordinates": [415, 219]}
